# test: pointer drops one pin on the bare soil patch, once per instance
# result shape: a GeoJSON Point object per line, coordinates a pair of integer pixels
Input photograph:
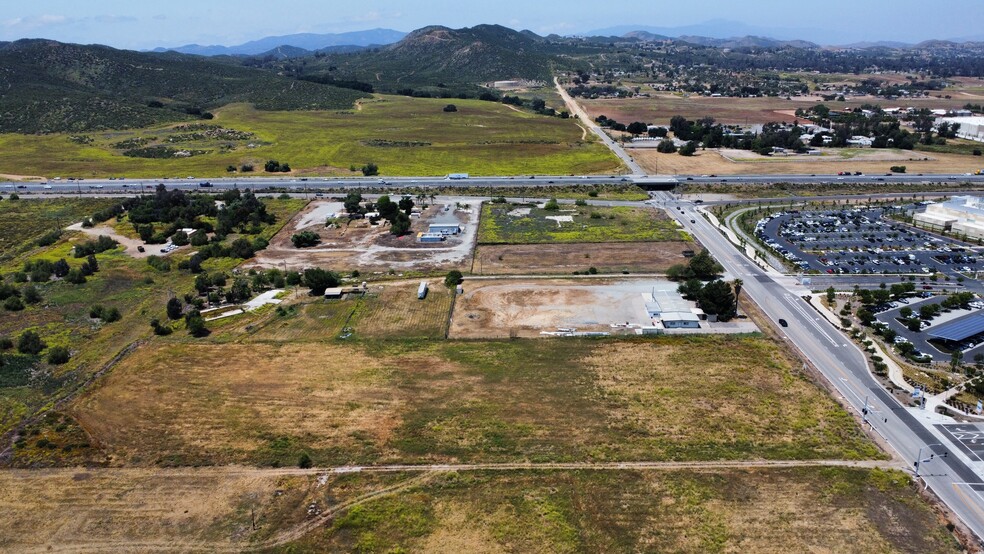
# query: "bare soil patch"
{"type": "Point", "coordinates": [606, 257]}
{"type": "Point", "coordinates": [711, 162]}
{"type": "Point", "coordinates": [359, 245]}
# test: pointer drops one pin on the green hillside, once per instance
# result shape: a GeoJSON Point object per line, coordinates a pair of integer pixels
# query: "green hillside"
{"type": "Point", "coordinates": [50, 87]}
{"type": "Point", "coordinates": [436, 55]}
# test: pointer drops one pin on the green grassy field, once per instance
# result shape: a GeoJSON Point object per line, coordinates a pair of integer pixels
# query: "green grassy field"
{"type": "Point", "coordinates": [785, 510]}
{"type": "Point", "coordinates": [590, 224]}
{"type": "Point", "coordinates": [403, 136]}
{"type": "Point", "coordinates": [25, 221]}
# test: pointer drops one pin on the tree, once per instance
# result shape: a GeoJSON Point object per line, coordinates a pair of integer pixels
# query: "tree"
{"type": "Point", "coordinates": [736, 286]}
{"type": "Point", "coordinates": [179, 238]}
{"type": "Point", "coordinates": [406, 205]}
{"type": "Point", "coordinates": [370, 169]}
{"type": "Point", "coordinates": [831, 295]}
{"type": "Point", "coordinates": [666, 146]}
{"type": "Point", "coordinates": [551, 205]}
{"type": "Point", "coordinates": [717, 298]}
{"type": "Point", "coordinates": [31, 294]}
{"type": "Point", "coordinates": [905, 312]}
{"type": "Point", "coordinates": [956, 359]}
{"type": "Point", "coordinates": [174, 308]}
{"type": "Point", "coordinates": [91, 261]}
{"type": "Point", "coordinates": [704, 266]}
{"type": "Point", "coordinates": [689, 149]}
{"type": "Point", "coordinates": [691, 288]}
{"type": "Point", "coordinates": [637, 128]}
{"type": "Point", "coordinates": [453, 279]}
{"type": "Point", "coordinates": [58, 355]}
{"type": "Point", "coordinates": [353, 204]}
{"type": "Point", "coordinates": [75, 276]}
{"type": "Point", "coordinates": [387, 209]}
{"type": "Point", "coordinates": [30, 343]}
{"type": "Point", "coordinates": [239, 291]}
{"type": "Point", "coordinates": [318, 280]}
{"type": "Point", "coordinates": [61, 268]}
{"type": "Point", "coordinates": [196, 325]}
{"type": "Point", "coordinates": [400, 225]}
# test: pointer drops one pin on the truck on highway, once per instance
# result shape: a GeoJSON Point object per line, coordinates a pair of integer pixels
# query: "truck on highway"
{"type": "Point", "coordinates": [979, 172]}
{"type": "Point", "coordinates": [457, 176]}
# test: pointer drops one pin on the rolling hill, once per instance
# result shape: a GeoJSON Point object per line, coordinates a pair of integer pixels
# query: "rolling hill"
{"type": "Point", "coordinates": [310, 42]}
{"type": "Point", "coordinates": [436, 55]}
{"type": "Point", "coordinates": [47, 86]}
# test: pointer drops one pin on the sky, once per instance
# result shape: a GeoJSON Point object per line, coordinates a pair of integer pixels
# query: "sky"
{"type": "Point", "coordinates": [143, 25]}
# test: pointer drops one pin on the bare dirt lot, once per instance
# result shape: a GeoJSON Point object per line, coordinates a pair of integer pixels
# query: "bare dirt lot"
{"type": "Point", "coordinates": [360, 245]}
{"type": "Point", "coordinates": [490, 309]}
{"type": "Point", "coordinates": [711, 162]}
{"type": "Point", "coordinates": [606, 257]}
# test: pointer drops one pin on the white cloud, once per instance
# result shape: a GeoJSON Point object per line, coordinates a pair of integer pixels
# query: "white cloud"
{"type": "Point", "coordinates": [36, 21]}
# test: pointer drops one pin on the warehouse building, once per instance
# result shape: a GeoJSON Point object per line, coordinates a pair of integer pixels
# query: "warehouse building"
{"type": "Point", "coordinates": [971, 128]}
{"type": "Point", "coordinates": [962, 216]}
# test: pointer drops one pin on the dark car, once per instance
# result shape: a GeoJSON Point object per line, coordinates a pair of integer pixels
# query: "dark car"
{"type": "Point", "coordinates": [141, 249]}
{"type": "Point", "coordinates": [783, 323]}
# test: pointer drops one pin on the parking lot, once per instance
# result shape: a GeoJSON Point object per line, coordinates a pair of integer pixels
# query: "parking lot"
{"type": "Point", "coordinates": [892, 316]}
{"type": "Point", "coordinates": [859, 241]}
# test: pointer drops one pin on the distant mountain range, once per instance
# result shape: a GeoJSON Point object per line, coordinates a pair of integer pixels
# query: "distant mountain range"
{"type": "Point", "coordinates": [308, 42]}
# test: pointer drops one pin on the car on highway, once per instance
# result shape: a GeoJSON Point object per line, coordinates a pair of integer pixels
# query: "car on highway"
{"type": "Point", "coordinates": [783, 323]}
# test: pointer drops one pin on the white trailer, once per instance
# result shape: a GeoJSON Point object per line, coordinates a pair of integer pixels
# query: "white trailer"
{"type": "Point", "coordinates": [422, 290]}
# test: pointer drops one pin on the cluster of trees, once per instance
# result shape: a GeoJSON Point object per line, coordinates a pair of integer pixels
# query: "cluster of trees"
{"type": "Point", "coordinates": [30, 343]}
{"type": "Point", "coordinates": [273, 166]}
{"type": "Point", "coordinates": [92, 247]}
{"type": "Point", "coordinates": [175, 209]}
{"type": "Point", "coordinates": [305, 239]}
{"type": "Point", "coordinates": [14, 299]}
{"type": "Point", "coordinates": [716, 297]}
{"type": "Point", "coordinates": [702, 266]}
{"type": "Point", "coordinates": [41, 271]}
{"type": "Point", "coordinates": [396, 213]}
{"type": "Point", "coordinates": [107, 315]}
{"type": "Point", "coordinates": [535, 104]}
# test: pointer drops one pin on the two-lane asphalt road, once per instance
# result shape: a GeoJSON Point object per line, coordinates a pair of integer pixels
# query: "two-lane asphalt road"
{"type": "Point", "coordinates": [844, 365]}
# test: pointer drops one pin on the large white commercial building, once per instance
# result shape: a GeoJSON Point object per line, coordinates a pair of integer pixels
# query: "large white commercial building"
{"type": "Point", "coordinates": [959, 216]}
{"type": "Point", "coordinates": [971, 128]}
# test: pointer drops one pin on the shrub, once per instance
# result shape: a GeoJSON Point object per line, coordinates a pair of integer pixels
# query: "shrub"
{"type": "Point", "coordinates": [6, 343]}
{"type": "Point", "coordinates": [30, 343]}
{"type": "Point", "coordinates": [75, 276]}
{"type": "Point", "coordinates": [898, 169]}
{"type": "Point", "coordinates": [453, 279]}
{"type": "Point", "coordinates": [305, 462]}
{"type": "Point", "coordinates": [13, 304]}
{"type": "Point", "coordinates": [174, 308]}
{"type": "Point", "coordinates": [58, 355]}
{"type": "Point", "coordinates": [551, 205]}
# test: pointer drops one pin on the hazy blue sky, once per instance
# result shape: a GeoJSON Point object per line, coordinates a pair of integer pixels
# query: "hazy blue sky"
{"type": "Point", "coordinates": [143, 24]}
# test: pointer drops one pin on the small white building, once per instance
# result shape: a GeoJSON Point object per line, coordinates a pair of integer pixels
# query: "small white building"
{"type": "Point", "coordinates": [680, 320]}
{"type": "Point", "coordinates": [444, 228]}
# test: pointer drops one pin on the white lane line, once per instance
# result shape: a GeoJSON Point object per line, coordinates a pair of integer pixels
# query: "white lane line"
{"type": "Point", "coordinates": [796, 306]}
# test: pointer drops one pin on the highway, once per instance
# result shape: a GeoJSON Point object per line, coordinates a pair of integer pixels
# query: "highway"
{"type": "Point", "coordinates": [845, 366]}
{"type": "Point", "coordinates": [106, 186]}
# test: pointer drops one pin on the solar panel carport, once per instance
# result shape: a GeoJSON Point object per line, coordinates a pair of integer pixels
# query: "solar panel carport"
{"type": "Point", "coordinates": [960, 329]}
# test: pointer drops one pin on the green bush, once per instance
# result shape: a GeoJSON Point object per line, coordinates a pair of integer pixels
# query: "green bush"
{"type": "Point", "coordinates": [58, 355]}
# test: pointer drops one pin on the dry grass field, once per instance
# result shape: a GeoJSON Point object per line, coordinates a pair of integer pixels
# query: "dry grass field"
{"type": "Point", "coordinates": [796, 510]}
{"type": "Point", "coordinates": [606, 257]}
{"type": "Point", "coordinates": [705, 398]}
{"type": "Point", "coordinates": [808, 509]}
